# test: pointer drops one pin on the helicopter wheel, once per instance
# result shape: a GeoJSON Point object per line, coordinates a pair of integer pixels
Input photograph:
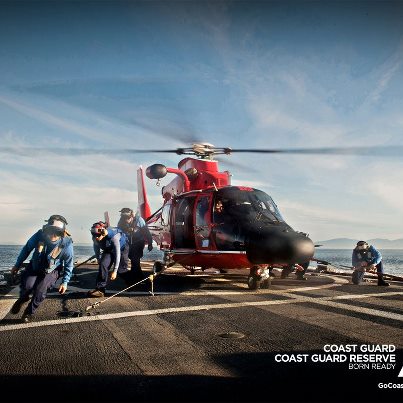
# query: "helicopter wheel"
{"type": "Point", "coordinates": [254, 278]}
{"type": "Point", "coordinates": [158, 267]}
{"type": "Point", "coordinates": [192, 269]}
{"type": "Point", "coordinates": [253, 282]}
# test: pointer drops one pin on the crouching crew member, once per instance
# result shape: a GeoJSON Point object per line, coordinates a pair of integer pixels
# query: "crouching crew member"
{"type": "Point", "coordinates": [366, 258]}
{"type": "Point", "coordinates": [138, 233]}
{"type": "Point", "coordinates": [53, 257]}
{"type": "Point", "coordinates": [115, 250]}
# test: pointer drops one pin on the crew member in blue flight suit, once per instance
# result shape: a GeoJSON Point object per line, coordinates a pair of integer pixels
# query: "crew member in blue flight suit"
{"type": "Point", "coordinates": [115, 250]}
{"type": "Point", "coordinates": [366, 258]}
{"type": "Point", "coordinates": [134, 226]}
{"type": "Point", "coordinates": [52, 258]}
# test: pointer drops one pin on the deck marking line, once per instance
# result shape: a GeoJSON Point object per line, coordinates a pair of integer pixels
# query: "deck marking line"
{"type": "Point", "coordinates": [329, 301]}
{"type": "Point", "coordinates": [127, 345]}
{"type": "Point", "coordinates": [358, 296]}
{"type": "Point", "coordinates": [147, 312]}
{"type": "Point", "coordinates": [326, 301]}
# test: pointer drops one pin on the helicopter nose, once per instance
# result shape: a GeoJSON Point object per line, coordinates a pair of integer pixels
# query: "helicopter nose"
{"type": "Point", "coordinates": [280, 247]}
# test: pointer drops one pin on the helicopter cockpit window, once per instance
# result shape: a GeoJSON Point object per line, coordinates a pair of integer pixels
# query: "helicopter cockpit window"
{"type": "Point", "coordinates": [251, 204]}
{"type": "Point", "coordinates": [267, 207]}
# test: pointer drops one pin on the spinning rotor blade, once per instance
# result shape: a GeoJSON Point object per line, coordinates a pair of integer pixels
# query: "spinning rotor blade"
{"type": "Point", "coordinates": [365, 151]}
{"type": "Point", "coordinates": [78, 151]}
{"type": "Point", "coordinates": [235, 165]}
{"type": "Point", "coordinates": [208, 150]}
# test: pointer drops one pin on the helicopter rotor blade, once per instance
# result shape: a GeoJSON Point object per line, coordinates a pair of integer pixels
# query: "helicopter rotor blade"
{"type": "Point", "coordinates": [363, 151]}
{"type": "Point", "coordinates": [182, 132]}
{"type": "Point", "coordinates": [79, 151]}
{"type": "Point", "coordinates": [235, 165]}
{"type": "Point", "coordinates": [373, 151]}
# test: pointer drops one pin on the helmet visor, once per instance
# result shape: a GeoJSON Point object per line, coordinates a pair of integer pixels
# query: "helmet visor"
{"type": "Point", "coordinates": [54, 227]}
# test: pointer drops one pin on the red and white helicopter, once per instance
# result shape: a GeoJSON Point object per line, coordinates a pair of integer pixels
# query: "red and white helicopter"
{"type": "Point", "coordinates": [205, 222]}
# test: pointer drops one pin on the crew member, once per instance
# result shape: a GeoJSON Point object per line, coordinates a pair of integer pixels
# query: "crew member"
{"type": "Point", "coordinates": [134, 226]}
{"type": "Point", "coordinates": [52, 258]}
{"type": "Point", "coordinates": [366, 258]}
{"type": "Point", "coordinates": [115, 250]}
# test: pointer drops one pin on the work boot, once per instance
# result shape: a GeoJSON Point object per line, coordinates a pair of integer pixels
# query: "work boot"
{"type": "Point", "coordinates": [381, 281]}
{"type": "Point", "coordinates": [96, 293]}
{"type": "Point", "coordinates": [26, 316]}
{"type": "Point", "coordinates": [301, 277]}
{"type": "Point", "coordinates": [18, 304]}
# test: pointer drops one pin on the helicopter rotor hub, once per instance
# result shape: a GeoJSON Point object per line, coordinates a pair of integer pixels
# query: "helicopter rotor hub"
{"type": "Point", "coordinates": [203, 150]}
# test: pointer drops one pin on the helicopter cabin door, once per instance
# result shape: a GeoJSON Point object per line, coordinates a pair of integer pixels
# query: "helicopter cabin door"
{"type": "Point", "coordinates": [203, 221]}
{"type": "Point", "coordinates": [183, 223]}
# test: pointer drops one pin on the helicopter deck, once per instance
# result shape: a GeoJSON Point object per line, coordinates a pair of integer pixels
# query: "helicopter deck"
{"type": "Point", "coordinates": [202, 337]}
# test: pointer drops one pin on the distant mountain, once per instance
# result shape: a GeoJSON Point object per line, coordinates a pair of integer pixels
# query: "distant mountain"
{"type": "Point", "coordinates": [347, 243]}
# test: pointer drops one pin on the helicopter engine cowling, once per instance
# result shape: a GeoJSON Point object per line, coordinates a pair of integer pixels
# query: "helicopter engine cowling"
{"type": "Point", "coordinates": [274, 246]}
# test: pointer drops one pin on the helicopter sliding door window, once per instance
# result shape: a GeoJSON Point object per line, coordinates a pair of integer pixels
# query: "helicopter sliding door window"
{"type": "Point", "coordinates": [165, 214]}
{"type": "Point", "coordinates": [183, 227]}
{"type": "Point", "coordinates": [203, 221]}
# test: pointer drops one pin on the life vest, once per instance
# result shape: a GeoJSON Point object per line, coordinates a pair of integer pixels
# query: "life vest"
{"type": "Point", "coordinates": [364, 255]}
{"type": "Point", "coordinates": [133, 230]}
{"type": "Point", "coordinates": [48, 259]}
{"type": "Point", "coordinates": [106, 243]}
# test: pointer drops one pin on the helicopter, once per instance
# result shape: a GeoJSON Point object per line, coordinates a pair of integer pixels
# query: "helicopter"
{"type": "Point", "coordinates": [206, 222]}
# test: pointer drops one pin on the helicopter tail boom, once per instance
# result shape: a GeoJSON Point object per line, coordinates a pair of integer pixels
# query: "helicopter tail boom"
{"type": "Point", "coordinates": [143, 206]}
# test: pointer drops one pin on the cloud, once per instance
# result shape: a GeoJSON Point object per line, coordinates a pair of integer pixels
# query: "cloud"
{"type": "Point", "coordinates": [386, 72]}
{"type": "Point", "coordinates": [385, 184]}
{"type": "Point", "coordinates": [81, 122]}
{"type": "Point", "coordinates": [52, 119]}
{"type": "Point", "coordinates": [333, 222]}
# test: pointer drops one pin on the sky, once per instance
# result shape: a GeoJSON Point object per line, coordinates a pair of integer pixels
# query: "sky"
{"type": "Point", "coordinates": [255, 74]}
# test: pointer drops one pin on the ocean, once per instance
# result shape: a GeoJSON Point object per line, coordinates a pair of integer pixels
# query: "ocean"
{"type": "Point", "coordinates": [392, 258]}
{"type": "Point", "coordinates": [9, 254]}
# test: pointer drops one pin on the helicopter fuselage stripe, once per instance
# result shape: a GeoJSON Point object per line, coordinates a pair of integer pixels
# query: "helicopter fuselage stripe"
{"type": "Point", "coordinates": [208, 252]}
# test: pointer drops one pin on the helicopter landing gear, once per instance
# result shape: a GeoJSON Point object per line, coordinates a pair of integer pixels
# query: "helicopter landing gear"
{"type": "Point", "coordinates": [192, 269]}
{"type": "Point", "coordinates": [158, 267]}
{"type": "Point", "coordinates": [259, 277]}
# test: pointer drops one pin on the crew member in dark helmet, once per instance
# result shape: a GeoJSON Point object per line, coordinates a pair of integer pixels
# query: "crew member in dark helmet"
{"type": "Point", "coordinates": [115, 249]}
{"type": "Point", "coordinates": [138, 233]}
{"type": "Point", "coordinates": [52, 258]}
{"type": "Point", "coordinates": [366, 258]}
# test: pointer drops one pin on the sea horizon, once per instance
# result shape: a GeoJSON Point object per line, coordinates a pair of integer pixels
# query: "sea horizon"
{"type": "Point", "coordinates": [392, 258]}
